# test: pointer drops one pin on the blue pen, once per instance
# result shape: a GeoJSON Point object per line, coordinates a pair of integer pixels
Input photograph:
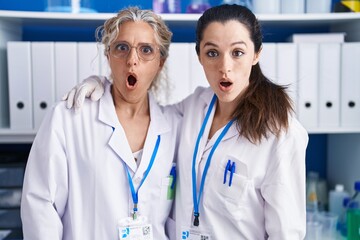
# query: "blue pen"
{"type": "Point", "coordinates": [227, 168]}
{"type": "Point", "coordinates": [173, 174]}
{"type": "Point", "coordinates": [232, 173]}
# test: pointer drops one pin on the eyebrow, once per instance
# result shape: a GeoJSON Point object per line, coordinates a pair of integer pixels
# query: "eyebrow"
{"type": "Point", "coordinates": [144, 43]}
{"type": "Point", "coordinates": [214, 45]}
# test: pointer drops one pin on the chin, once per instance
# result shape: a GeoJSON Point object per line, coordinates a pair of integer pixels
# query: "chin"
{"type": "Point", "coordinates": [225, 97]}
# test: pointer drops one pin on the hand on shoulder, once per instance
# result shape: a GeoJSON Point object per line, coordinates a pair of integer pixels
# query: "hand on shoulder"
{"type": "Point", "coordinates": [91, 87]}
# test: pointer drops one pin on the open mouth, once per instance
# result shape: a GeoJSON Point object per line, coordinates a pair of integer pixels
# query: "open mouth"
{"type": "Point", "coordinates": [131, 80]}
{"type": "Point", "coordinates": [225, 84]}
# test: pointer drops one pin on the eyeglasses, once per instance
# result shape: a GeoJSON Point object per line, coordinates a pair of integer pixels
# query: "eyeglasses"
{"type": "Point", "coordinates": [145, 51]}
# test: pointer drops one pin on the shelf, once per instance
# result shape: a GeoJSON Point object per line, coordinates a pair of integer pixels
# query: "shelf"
{"type": "Point", "coordinates": [334, 130]}
{"type": "Point", "coordinates": [12, 136]}
{"type": "Point", "coordinates": [18, 136]}
{"type": "Point", "coordinates": [336, 22]}
{"type": "Point", "coordinates": [30, 18]}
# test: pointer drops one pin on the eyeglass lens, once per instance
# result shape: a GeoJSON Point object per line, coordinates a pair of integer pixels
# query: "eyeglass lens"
{"type": "Point", "coordinates": [145, 51]}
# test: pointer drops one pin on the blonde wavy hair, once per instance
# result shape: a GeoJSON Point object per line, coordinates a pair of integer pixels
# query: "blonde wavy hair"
{"type": "Point", "coordinates": [108, 33]}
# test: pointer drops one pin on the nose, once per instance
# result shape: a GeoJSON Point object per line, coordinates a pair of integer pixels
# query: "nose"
{"type": "Point", "coordinates": [132, 58]}
{"type": "Point", "coordinates": [225, 64]}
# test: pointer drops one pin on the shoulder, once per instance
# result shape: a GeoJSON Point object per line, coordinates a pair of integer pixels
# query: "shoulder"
{"type": "Point", "coordinates": [203, 92]}
{"type": "Point", "coordinates": [170, 112]}
{"type": "Point", "coordinates": [296, 127]}
{"type": "Point", "coordinates": [158, 111]}
{"type": "Point", "coordinates": [59, 108]}
{"type": "Point", "coordinates": [59, 115]}
{"type": "Point", "coordinates": [295, 133]}
{"type": "Point", "coordinates": [201, 96]}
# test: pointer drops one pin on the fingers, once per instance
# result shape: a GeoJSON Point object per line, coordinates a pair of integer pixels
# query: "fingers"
{"type": "Point", "coordinates": [65, 97]}
{"type": "Point", "coordinates": [70, 98]}
{"type": "Point", "coordinates": [101, 80]}
{"type": "Point", "coordinates": [80, 95]}
{"type": "Point", "coordinates": [92, 87]}
{"type": "Point", "coordinates": [98, 92]}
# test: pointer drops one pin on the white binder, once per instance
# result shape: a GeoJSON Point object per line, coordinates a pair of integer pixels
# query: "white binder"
{"type": "Point", "coordinates": [197, 75]}
{"type": "Point", "coordinates": [88, 60]}
{"type": "Point", "coordinates": [308, 57]}
{"type": "Point", "coordinates": [8, 32]}
{"type": "Point", "coordinates": [4, 98]}
{"type": "Point", "coordinates": [20, 85]}
{"type": "Point", "coordinates": [178, 67]}
{"type": "Point", "coordinates": [266, 6]}
{"type": "Point", "coordinates": [350, 85]}
{"type": "Point", "coordinates": [287, 69]}
{"type": "Point", "coordinates": [104, 64]}
{"type": "Point", "coordinates": [66, 76]}
{"type": "Point", "coordinates": [268, 60]}
{"type": "Point", "coordinates": [43, 74]}
{"type": "Point", "coordinates": [329, 85]}
{"type": "Point", "coordinates": [318, 37]}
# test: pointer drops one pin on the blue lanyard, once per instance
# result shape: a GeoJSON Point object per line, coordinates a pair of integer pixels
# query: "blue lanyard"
{"type": "Point", "coordinates": [134, 193]}
{"type": "Point", "coordinates": [196, 199]}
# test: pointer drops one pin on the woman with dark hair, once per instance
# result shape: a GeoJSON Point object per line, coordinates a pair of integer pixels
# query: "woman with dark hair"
{"type": "Point", "coordinates": [247, 156]}
{"type": "Point", "coordinates": [241, 157]}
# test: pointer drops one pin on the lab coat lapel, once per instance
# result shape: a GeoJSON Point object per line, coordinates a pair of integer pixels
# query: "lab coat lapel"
{"type": "Point", "coordinates": [117, 142]}
{"type": "Point", "coordinates": [232, 132]}
{"type": "Point", "coordinates": [205, 97]}
{"type": "Point", "coordinates": [158, 126]}
{"type": "Point", "coordinates": [120, 146]}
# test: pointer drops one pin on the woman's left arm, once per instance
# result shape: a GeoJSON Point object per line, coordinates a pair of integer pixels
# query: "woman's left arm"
{"type": "Point", "coordinates": [284, 187]}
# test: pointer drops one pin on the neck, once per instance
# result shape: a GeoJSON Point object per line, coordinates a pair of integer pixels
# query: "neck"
{"type": "Point", "coordinates": [132, 109]}
{"type": "Point", "coordinates": [223, 114]}
{"type": "Point", "coordinates": [224, 110]}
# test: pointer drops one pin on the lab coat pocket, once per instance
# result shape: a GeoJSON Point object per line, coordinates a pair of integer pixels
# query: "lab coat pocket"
{"type": "Point", "coordinates": [229, 199]}
{"type": "Point", "coordinates": [234, 192]}
{"type": "Point", "coordinates": [233, 197]}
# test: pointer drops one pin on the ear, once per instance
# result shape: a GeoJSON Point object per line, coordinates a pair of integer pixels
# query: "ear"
{"type": "Point", "coordinates": [162, 63]}
{"type": "Point", "coordinates": [257, 56]}
{"type": "Point", "coordinates": [199, 58]}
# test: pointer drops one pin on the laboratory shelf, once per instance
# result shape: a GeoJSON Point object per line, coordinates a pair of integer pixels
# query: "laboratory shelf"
{"type": "Point", "coordinates": [27, 17]}
{"type": "Point", "coordinates": [12, 24]}
{"type": "Point", "coordinates": [18, 136]}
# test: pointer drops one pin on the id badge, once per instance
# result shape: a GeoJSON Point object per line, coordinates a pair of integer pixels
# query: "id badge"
{"type": "Point", "coordinates": [138, 229]}
{"type": "Point", "coordinates": [195, 234]}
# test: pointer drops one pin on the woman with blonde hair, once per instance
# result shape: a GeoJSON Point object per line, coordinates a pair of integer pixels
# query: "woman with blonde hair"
{"type": "Point", "coordinates": [108, 172]}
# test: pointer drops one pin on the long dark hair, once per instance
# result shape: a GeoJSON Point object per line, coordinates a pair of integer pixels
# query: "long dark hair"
{"type": "Point", "coordinates": [264, 106]}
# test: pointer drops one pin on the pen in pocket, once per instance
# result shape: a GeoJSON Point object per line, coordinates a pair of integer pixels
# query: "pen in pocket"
{"type": "Point", "coordinates": [230, 167]}
{"type": "Point", "coordinates": [173, 174]}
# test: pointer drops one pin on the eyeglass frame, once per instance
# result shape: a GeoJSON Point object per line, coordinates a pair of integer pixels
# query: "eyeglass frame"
{"type": "Point", "coordinates": [110, 47]}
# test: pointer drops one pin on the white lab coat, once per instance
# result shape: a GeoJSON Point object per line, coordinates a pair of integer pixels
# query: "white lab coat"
{"type": "Point", "coordinates": [267, 196]}
{"type": "Point", "coordinates": [76, 185]}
